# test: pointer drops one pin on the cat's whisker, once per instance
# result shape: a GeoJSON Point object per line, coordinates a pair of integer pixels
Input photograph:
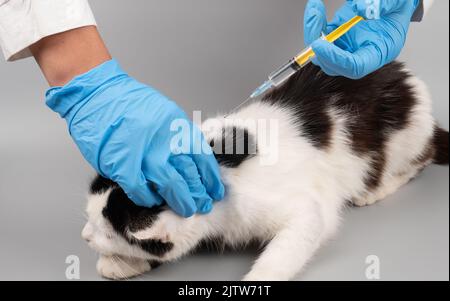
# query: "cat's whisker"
{"type": "Point", "coordinates": [118, 260]}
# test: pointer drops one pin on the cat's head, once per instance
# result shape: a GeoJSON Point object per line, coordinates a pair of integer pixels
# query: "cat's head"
{"type": "Point", "coordinates": [116, 226]}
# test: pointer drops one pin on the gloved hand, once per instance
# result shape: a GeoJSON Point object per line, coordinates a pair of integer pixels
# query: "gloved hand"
{"type": "Point", "coordinates": [130, 133]}
{"type": "Point", "coordinates": [368, 46]}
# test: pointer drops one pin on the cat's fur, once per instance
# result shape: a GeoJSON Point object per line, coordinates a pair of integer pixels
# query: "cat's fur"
{"type": "Point", "coordinates": [339, 141]}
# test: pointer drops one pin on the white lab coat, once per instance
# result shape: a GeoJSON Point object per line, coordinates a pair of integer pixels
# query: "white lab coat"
{"type": "Point", "coordinates": [24, 22]}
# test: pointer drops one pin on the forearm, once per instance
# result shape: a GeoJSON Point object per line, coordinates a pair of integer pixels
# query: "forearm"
{"type": "Point", "coordinates": [65, 55]}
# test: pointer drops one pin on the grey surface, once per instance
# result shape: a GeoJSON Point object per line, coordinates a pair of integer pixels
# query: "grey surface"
{"type": "Point", "coordinates": [208, 55]}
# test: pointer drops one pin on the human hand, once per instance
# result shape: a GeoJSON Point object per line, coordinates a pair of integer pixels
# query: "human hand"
{"type": "Point", "coordinates": [368, 46]}
{"type": "Point", "coordinates": [125, 130]}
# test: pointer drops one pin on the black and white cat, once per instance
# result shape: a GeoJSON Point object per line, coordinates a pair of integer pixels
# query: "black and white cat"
{"type": "Point", "coordinates": [339, 142]}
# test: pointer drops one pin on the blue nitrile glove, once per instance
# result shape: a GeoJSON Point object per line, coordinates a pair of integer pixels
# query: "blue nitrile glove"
{"type": "Point", "coordinates": [368, 46]}
{"type": "Point", "coordinates": [124, 129]}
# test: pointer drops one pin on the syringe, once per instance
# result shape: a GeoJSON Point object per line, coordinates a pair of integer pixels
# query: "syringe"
{"type": "Point", "coordinates": [286, 71]}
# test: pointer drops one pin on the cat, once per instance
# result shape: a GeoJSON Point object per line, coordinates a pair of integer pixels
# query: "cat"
{"type": "Point", "coordinates": [339, 142]}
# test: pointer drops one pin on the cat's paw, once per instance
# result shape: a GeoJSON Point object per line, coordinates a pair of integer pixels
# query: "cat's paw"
{"type": "Point", "coordinates": [363, 202]}
{"type": "Point", "coordinates": [116, 267]}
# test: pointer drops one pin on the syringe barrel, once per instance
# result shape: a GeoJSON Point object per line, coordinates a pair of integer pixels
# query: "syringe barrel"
{"type": "Point", "coordinates": [305, 57]}
{"type": "Point", "coordinates": [284, 73]}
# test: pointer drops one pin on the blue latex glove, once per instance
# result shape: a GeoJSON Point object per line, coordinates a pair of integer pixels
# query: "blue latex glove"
{"type": "Point", "coordinates": [124, 129]}
{"type": "Point", "coordinates": [368, 46]}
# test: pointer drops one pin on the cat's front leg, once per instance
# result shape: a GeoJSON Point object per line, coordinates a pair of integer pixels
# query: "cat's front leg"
{"type": "Point", "coordinates": [118, 267]}
{"type": "Point", "coordinates": [288, 251]}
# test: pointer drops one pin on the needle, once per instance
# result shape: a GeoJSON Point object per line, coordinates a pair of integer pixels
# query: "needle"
{"type": "Point", "coordinates": [238, 107]}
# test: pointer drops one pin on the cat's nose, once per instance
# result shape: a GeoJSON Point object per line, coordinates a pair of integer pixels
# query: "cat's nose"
{"type": "Point", "coordinates": [87, 232]}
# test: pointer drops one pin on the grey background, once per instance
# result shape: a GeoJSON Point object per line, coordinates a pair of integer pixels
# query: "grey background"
{"type": "Point", "coordinates": [208, 55]}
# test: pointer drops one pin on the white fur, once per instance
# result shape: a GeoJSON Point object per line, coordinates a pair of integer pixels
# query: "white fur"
{"type": "Point", "coordinates": [293, 205]}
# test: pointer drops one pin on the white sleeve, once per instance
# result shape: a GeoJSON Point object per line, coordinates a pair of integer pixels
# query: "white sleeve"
{"type": "Point", "coordinates": [427, 5]}
{"type": "Point", "coordinates": [24, 22]}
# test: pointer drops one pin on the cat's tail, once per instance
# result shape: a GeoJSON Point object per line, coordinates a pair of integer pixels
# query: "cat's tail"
{"type": "Point", "coordinates": [440, 142]}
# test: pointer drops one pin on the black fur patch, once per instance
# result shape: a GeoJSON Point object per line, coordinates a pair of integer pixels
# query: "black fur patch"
{"type": "Point", "coordinates": [219, 244]}
{"type": "Point", "coordinates": [100, 185]}
{"type": "Point", "coordinates": [378, 105]}
{"type": "Point", "coordinates": [155, 247]}
{"type": "Point", "coordinates": [441, 144]}
{"type": "Point", "coordinates": [125, 216]}
{"type": "Point", "coordinates": [234, 147]}
{"type": "Point", "coordinates": [154, 264]}
{"type": "Point", "coordinates": [212, 243]}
